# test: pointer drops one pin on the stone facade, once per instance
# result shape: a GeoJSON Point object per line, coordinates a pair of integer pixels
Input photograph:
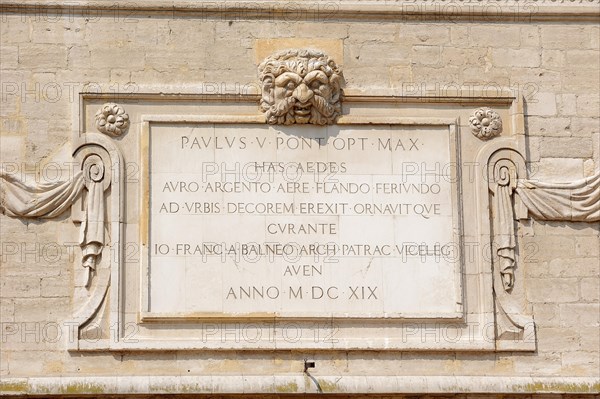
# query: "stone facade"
{"type": "Point", "coordinates": [547, 53]}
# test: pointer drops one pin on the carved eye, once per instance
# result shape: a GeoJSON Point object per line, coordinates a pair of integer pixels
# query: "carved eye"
{"type": "Point", "coordinates": [315, 85]}
{"type": "Point", "coordinates": [290, 86]}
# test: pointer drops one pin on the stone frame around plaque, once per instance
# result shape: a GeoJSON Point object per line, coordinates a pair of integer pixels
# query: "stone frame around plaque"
{"type": "Point", "coordinates": [113, 303]}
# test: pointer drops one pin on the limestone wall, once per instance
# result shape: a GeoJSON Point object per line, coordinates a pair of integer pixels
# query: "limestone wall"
{"type": "Point", "coordinates": [552, 59]}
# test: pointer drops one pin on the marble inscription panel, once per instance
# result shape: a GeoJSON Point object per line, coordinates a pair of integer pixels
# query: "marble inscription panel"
{"type": "Point", "coordinates": [252, 220]}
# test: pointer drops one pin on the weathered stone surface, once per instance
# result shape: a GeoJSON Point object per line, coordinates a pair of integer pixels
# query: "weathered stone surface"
{"type": "Point", "coordinates": [565, 37]}
{"type": "Point", "coordinates": [519, 58]}
{"type": "Point", "coordinates": [43, 56]}
{"type": "Point", "coordinates": [590, 289]}
{"type": "Point", "coordinates": [116, 51]}
{"type": "Point", "coordinates": [559, 289]}
{"type": "Point", "coordinates": [576, 147]}
{"type": "Point", "coordinates": [567, 169]}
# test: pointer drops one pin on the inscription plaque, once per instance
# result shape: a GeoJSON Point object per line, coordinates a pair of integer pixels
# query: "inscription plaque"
{"type": "Point", "coordinates": [249, 220]}
{"type": "Point", "coordinates": [370, 233]}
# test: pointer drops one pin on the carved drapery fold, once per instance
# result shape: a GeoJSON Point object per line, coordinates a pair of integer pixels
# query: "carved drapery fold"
{"type": "Point", "coordinates": [506, 209]}
{"type": "Point", "coordinates": [98, 156]}
{"type": "Point", "coordinates": [512, 321]}
{"type": "Point", "coordinates": [91, 238]}
{"type": "Point", "coordinates": [40, 200]}
{"type": "Point", "coordinates": [102, 163]}
{"type": "Point", "coordinates": [514, 197]}
{"type": "Point", "coordinates": [503, 217]}
{"type": "Point", "coordinates": [578, 201]}
{"type": "Point", "coordinates": [20, 199]}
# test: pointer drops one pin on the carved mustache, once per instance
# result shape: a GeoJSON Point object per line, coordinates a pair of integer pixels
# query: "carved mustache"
{"type": "Point", "coordinates": [285, 106]}
{"type": "Point", "coordinates": [322, 105]}
{"type": "Point", "coordinates": [282, 107]}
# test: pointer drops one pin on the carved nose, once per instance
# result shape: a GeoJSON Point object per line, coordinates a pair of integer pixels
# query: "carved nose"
{"type": "Point", "coordinates": [303, 93]}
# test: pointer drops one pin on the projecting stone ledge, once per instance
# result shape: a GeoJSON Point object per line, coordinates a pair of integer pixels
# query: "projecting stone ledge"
{"type": "Point", "coordinates": [290, 384]}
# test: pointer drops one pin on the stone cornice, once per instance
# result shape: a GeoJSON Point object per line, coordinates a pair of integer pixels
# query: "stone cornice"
{"type": "Point", "coordinates": [324, 10]}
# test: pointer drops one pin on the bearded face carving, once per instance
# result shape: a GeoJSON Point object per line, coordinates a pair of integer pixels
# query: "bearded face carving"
{"type": "Point", "coordinates": [300, 86]}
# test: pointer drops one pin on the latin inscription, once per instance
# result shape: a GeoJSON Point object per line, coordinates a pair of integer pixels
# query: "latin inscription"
{"type": "Point", "coordinates": [313, 221]}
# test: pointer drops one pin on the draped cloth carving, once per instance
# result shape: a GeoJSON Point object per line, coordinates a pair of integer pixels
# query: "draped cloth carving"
{"type": "Point", "coordinates": [91, 238]}
{"type": "Point", "coordinates": [21, 199]}
{"type": "Point", "coordinates": [505, 237]}
{"type": "Point", "coordinates": [94, 196]}
{"type": "Point", "coordinates": [578, 201]}
{"type": "Point", "coordinates": [512, 322]}
{"type": "Point", "coordinates": [514, 199]}
{"type": "Point", "coordinates": [41, 200]}
{"type": "Point", "coordinates": [503, 218]}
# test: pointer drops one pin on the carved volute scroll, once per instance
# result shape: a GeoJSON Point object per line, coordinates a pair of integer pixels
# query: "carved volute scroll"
{"type": "Point", "coordinates": [311, 95]}
{"type": "Point", "coordinates": [100, 231]}
{"type": "Point", "coordinates": [100, 163]}
{"type": "Point", "coordinates": [300, 87]}
{"type": "Point", "coordinates": [513, 198]}
{"type": "Point", "coordinates": [505, 166]}
{"type": "Point", "coordinates": [92, 224]}
{"type": "Point", "coordinates": [503, 185]}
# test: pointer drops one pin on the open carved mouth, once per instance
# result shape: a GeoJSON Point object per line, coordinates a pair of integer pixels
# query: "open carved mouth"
{"type": "Point", "coordinates": [302, 109]}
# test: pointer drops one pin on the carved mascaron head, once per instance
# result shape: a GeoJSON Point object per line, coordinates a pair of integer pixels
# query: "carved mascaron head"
{"type": "Point", "coordinates": [300, 86]}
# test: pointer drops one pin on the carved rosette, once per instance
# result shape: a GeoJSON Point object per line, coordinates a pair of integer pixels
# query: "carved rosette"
{"type": "Point", "coordinates": [485, 123]}
{"type": "Point", "coordinates": [112, 120]}
{"type": "Point", "coordinates": [300, 86]}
